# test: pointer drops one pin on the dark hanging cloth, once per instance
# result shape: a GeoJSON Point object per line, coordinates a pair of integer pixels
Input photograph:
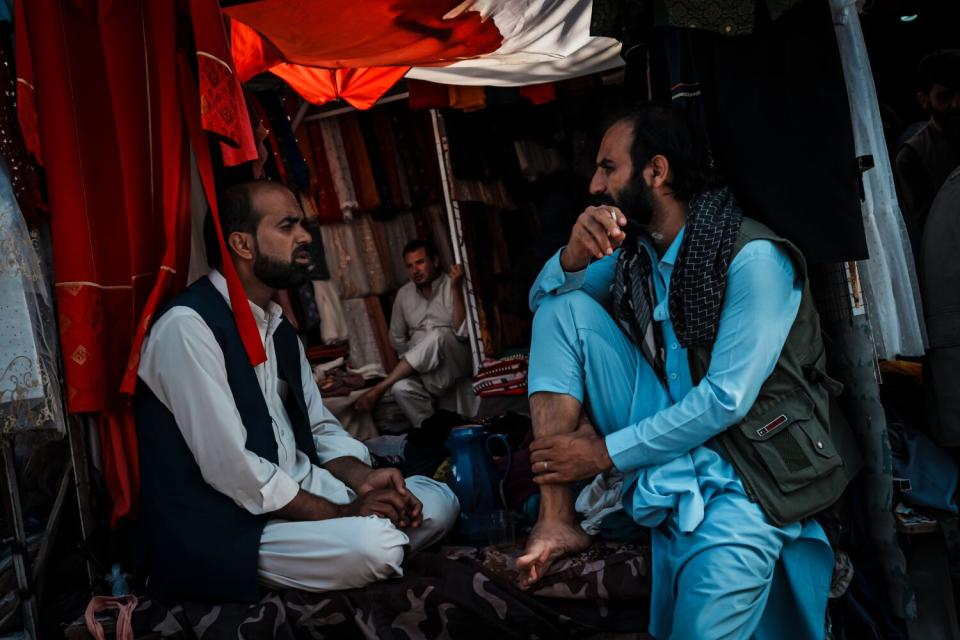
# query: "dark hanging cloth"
{"type": "Point", "coordinates": [378, 161]}
{"type": "Point", "coordinates": [779, 126]}
{"type": "Point", "coordinates": [615, 18]}
{"type": "Point", "coordinates": [295, 165]}
{"type": "Point", "coordinates": [23, 174]}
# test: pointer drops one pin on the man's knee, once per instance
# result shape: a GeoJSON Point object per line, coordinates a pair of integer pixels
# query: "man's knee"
{"type": "Point", "coordinates": [376, 551]}
{"type": "Point", "coordinates": [440, 504]}
{"type": "Point", "coordinates": [405, 387]}
{"type": "Point", "coordinates": [575, 308]}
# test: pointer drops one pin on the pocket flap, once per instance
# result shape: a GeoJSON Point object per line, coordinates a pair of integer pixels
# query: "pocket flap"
{"type": "Point", "coordinates": [795, 407]}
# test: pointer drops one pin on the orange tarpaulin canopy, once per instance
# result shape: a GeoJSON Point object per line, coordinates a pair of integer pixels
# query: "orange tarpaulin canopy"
{"type": "Point", "coordinates": [328, 49]}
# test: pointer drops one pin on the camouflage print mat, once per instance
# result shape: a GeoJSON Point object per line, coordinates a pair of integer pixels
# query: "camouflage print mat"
{"type": "Point", "coordinates": [456, 592]}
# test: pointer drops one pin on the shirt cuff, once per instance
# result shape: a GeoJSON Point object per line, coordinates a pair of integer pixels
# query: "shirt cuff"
{"type": "Point", "coordinates": [625, 449]}
{"type": "Point", "coordinates": [278, 492]}
{"type": "Point", "coordinates": [345, 446]}
{"type": "Point", "coordinates": [560, 281]}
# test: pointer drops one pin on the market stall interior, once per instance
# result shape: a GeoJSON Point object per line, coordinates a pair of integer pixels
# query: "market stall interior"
{"type": "Point", "coordinates": [470, 131]}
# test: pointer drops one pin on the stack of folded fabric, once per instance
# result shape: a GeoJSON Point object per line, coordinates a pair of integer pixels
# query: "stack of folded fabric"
{"type": "Point", "coordinates": [503, 377]}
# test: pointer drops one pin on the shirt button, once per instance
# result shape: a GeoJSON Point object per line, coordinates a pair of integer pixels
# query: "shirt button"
{"type": "Point", "coordinates": [674, 346]}
{"type": "Point", "coordinates": [819, 445]}
{"type": "Point", "coordinates": [673, 376]}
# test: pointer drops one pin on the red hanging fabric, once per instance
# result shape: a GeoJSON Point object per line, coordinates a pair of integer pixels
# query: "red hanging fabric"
{"type": "Point", "coordinates": [247, 326]}
{"type": "Point", "coordinates": [428, 95]}
{"type": "Point", "coordinates": [539, 93]}
{"type": "Point", "coordinates": [223, 109]}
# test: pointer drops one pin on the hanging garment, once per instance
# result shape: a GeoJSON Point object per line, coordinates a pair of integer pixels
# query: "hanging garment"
{"type": "Point", "coordinates": [467, 98]}
{"type": "Point", "coordinates": [539, 93]}
{"type": "Point", "coordinates": [379, 159]}
{"type": "Point", "coordinates": [223, 108]}
{"type": "Point", "coordinates": [292, 159]}
{"type": "Point", "coordinates": [427, 95]}
{"type": "Point", "coordinates": [749, 86]}
{"type": "Point", "coordinates": [344, 261]}
{"type": "Point", "coordinates": [369, 256]}
{"type": "Point", "coordinates": [437, 221]}
{"type": "Point", "coordinates": [359, 161]}
{"type": "Point", "coordinates": [379, 325]}
{"type": "Point", "coordinates": [396, 178]}
{"type": "Point", "coordinates": [30, 399]}
{"type": "Point", "coordinates": [291, 104]}
{"type": "Point", "coordinates": [23, 174]}
{"type": "Point", "coordinates": [339, 166]}
{"type": "Point", "coordinates": [328, 205]}
{"type": "Point", "coordinates": [311, 223]}
{"type": "Point", "coordinates": [890, 278]}
{"type": "Point", "coordinates": [363, 341]}
{"type": "Point", "coordinates": [394, 280]}
{"type": "Point", "coordinates": [333, 324]}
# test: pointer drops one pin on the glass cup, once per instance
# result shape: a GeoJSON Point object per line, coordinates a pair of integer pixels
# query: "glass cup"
{"type": "Point", "coordinates": [501, 532]}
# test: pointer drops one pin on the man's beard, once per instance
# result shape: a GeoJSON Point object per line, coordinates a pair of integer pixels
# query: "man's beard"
{"type": "Point", "coordinates": [278, 274]}
{"type": "Point", "coordinates": [635, 201]}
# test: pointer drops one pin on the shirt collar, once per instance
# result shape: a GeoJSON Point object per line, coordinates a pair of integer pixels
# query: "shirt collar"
{"type": "Point", "coordinates": [434, 287]}
{"type": "Point", "coordinates": [272, 313]}
{"type": "Point", "coordinates": [670, 255]}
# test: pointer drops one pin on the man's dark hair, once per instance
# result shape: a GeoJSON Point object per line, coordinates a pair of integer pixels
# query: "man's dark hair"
{"type": "Point", "coordinates": [939, 67]}
{"type": "Point", "coordinates": [664, 130]}
{"type": "Point", "coordinates": [236, 214]}
{"type": "Point", "coordinates": [416, 245]}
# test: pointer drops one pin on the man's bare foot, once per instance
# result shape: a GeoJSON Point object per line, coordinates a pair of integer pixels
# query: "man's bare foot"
{"type": "Point", "coordinates": [548, 541]}
{"type": "Point", "coordinates": [369, 400]}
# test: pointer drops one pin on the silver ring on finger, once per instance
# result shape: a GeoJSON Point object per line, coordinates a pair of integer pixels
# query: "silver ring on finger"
{"type": "Point", "coordinates": [613, 214]}
{"type": "Point", "coordinates": [546, 465]}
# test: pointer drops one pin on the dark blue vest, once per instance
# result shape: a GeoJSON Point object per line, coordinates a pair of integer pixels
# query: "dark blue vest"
{"type": "Point", "coordinates": [193, 541]}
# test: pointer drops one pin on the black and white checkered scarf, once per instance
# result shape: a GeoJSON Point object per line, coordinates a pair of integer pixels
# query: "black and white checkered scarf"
{"type": "Point", "coordinates": [697, 285]}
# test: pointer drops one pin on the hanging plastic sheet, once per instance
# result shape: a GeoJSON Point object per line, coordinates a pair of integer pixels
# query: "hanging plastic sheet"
{"type": "Point", "coordinates": [890, 287]}
{"type": "Point", "coordinates": [30, 399]}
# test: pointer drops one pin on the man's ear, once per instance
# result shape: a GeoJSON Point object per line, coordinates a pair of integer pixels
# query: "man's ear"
{"type": "Point", "coordinates": [658, 168]}
{"type": "Point", "coordinates": [924, 100]}
{"type": "Point", "coordinates": [241, 244]}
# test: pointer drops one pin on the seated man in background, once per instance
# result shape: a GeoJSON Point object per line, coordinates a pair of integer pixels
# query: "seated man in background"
{"type": "Point", "coordinates": [426, 329]}
{"type": "Point", "coordinates": [246, 477]}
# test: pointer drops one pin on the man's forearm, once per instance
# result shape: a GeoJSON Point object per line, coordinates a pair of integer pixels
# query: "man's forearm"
{"type": "Point", "coordinates": [306, 506]}
{"type": "Point", "coordinates": [349, 470]}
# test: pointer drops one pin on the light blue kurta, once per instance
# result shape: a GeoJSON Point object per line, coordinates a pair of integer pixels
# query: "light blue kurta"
{"type": "Point", "coordinates": [721, 569]}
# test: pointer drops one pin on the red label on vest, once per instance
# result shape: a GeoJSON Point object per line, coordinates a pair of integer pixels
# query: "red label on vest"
{"type": "Point", "coordinates": [772, 426]}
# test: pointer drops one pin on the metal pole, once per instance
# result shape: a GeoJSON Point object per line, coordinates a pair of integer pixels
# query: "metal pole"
{"type": "Point", "coordinates": [456, 237]}
{"type": "Point", "coordinates": [21, 554]}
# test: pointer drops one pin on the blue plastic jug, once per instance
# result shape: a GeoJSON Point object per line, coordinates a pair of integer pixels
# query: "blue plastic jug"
{"type": "Point", "coordinates": [475, 479]}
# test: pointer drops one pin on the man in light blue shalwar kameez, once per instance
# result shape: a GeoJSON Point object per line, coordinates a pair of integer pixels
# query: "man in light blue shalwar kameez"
{"type": "Point", "coordinates": [721, 567]}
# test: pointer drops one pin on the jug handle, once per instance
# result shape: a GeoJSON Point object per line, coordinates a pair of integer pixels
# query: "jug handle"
{"type": "Point", "coordinates": [506, 472]}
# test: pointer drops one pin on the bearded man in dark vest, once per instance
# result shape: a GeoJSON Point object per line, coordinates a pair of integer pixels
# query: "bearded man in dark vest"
{"type": "Point", "coordinates": [246, 478]}
{"type": "Point", "coordinates": [677, 361]}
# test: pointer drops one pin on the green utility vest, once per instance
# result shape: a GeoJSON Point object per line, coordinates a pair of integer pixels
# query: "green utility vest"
{"type": "Point", "coordinates": [794, 450]}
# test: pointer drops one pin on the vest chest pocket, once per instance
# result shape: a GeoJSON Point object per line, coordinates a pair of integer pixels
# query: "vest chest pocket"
{"type": "Point", "coordinates": [792, 443]}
